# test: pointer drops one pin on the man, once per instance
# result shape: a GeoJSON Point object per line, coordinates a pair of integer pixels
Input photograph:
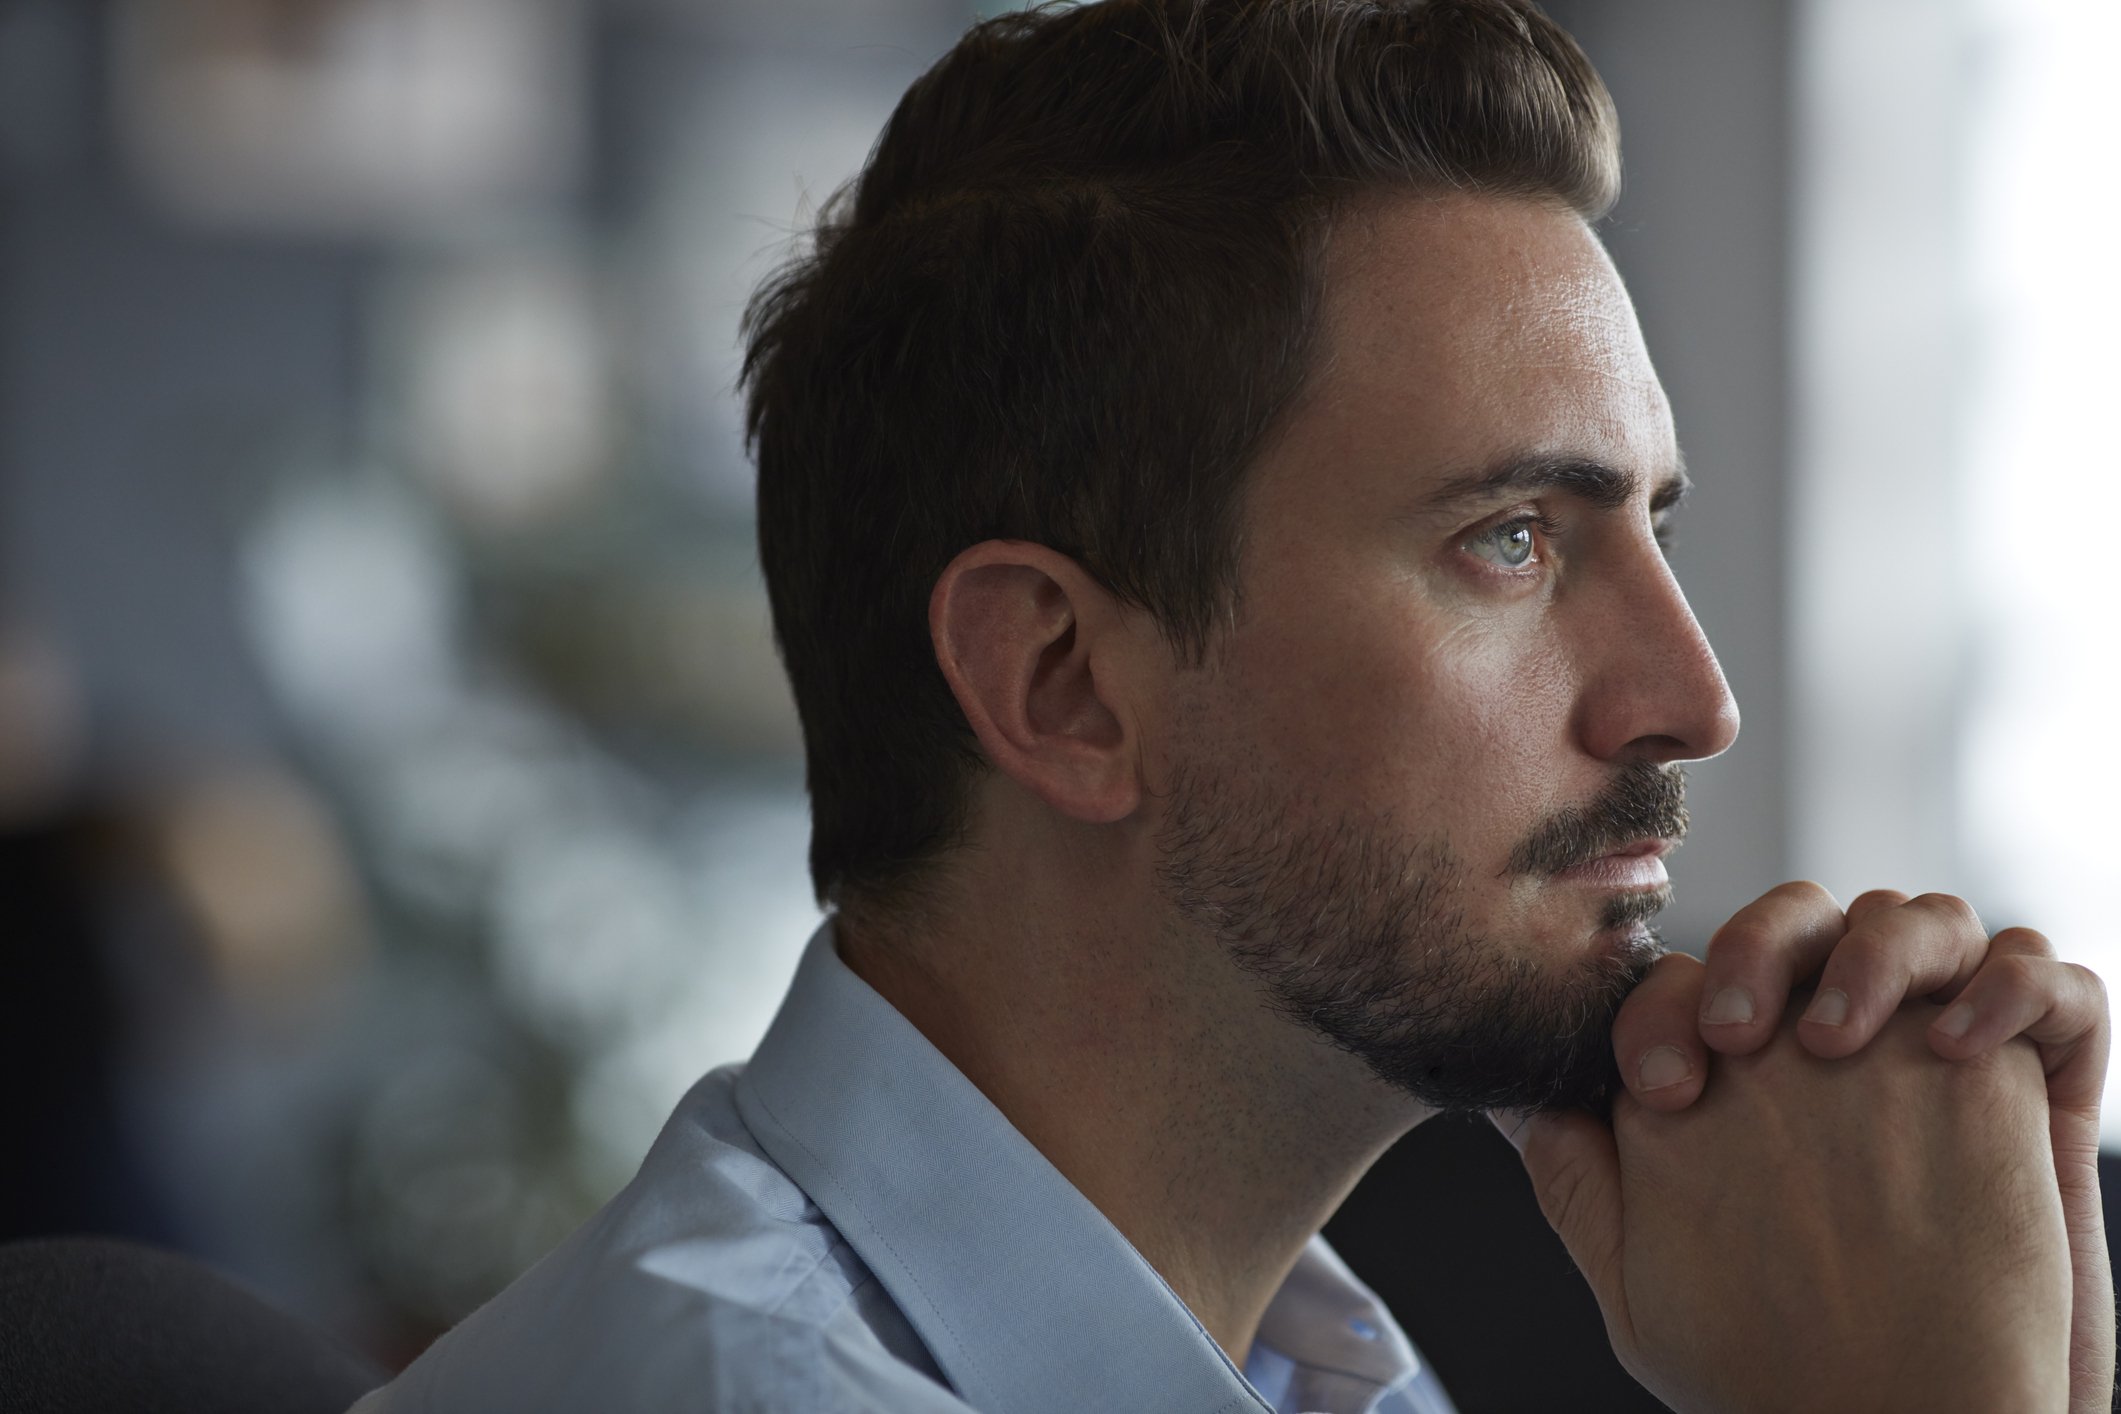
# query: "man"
{"type": "Point", "coordinates": [1210, 492]}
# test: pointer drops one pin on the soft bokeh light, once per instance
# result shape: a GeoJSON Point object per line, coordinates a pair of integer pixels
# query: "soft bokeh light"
{"type": "Point", "coordinates": [370, 115]}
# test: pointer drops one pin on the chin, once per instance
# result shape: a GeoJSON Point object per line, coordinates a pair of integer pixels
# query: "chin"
{"type": "Point", "coordinates": [1632, 909]}
{"type": "Point", "coordinates": [1630, 946]}
{"type": "Point", "coordinates": [1377, 941]}
{"type": "Point", "coordinates": [1613, 924]}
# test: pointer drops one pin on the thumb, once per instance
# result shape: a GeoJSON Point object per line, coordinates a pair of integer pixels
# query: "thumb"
{"type": "Point", "coordinates": [1575, 1173]}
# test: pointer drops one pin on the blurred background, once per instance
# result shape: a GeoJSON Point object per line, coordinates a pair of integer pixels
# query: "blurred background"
{"type": "Point", "coordinates": [400, 800]}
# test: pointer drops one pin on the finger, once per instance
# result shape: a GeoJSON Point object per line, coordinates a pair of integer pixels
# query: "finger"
{"type": "Point", "coordinates": [2058, 1006]}
{"type": "Point", "coordinates": [1928, 946]}
{"type": "Point", "coordinates": [1575, 1172]}
{"type": "Point", "coordinates": [1769, 946]}
{"type": "Point", "coordinates": [2022, 990]}
{"type": "Point", "coordinates": [1656, 1038]}
{"type": "Point", "coordinates": [1872, 901]}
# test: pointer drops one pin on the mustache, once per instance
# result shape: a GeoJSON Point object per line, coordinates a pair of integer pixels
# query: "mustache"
{"type": "Point", "coordinates": [1644, 800]}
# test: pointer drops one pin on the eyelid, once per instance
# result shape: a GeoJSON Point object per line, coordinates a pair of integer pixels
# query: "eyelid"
{"type": "Point", "coordinates": [1548, 528]}
{"type": "Point", "coordinates": [1532, 515]}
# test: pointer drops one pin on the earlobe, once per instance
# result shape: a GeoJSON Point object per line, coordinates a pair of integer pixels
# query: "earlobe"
{"type": "Point", "coordinates": [1030, 646]}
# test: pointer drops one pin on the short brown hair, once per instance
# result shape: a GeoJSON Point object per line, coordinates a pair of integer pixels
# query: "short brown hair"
{"type": "Point", "coordinates": [1066, 301]}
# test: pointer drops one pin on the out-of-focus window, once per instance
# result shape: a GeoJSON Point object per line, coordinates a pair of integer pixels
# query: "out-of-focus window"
{"type": "Point", "coordinates": [1954, 654]}
{"type": "Point", "coordinates": [2041, 758]}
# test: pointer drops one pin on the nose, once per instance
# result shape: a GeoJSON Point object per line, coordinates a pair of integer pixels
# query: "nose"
{"type": "Point", "coordinates": [1652, 689]}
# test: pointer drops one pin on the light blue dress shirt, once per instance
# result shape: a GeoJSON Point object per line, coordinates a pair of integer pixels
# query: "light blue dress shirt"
{"type": "Point", "coordinates": [846, 1224]}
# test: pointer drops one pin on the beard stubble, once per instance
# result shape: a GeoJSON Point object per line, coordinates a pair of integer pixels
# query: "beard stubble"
{"type": "Point", "coordinates": [1356, 928]}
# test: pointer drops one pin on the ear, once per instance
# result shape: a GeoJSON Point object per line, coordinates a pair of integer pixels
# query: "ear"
{"type": "Point", "coordinates": [1037, 653]}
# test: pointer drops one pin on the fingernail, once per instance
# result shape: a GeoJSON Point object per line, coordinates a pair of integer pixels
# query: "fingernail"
{"type": "Point", "coordinates": [1957, 1018]}
{"type": "Point", "coordinates": [1829, 1008]}
{"type": "Point", "coordinates": [1663, 1066]}
{"type": "Point", "coordinates": [1729, 1007]}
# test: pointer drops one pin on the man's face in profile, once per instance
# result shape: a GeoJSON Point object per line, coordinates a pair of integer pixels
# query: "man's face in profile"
{"type": "Point", "coordinates": [1421, 790]}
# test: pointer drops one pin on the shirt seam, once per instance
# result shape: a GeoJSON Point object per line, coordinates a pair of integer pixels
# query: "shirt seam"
{"type": "Point", "coordinates": [979, 1369]}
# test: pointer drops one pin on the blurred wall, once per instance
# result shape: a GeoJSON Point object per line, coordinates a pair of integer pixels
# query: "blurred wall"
{"type": "Point", "coordinates": [145, 368]}
{"type": "Point", "coordinates": [368, 461]}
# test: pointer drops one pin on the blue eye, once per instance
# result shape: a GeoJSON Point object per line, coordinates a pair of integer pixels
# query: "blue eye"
{"type": "Point", "coordinates": [1511, 544]}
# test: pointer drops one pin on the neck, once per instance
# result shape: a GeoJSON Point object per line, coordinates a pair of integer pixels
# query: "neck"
{"type": "Point", "coordinates": [1216, 1136]}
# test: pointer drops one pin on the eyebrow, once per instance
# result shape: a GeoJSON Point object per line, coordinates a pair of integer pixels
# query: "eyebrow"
{"type": "Point", "coordinates": [1606, 487]}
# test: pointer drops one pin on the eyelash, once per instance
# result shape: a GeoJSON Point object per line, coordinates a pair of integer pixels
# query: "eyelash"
{"type": "Point", "coordinates": [1662, 531]}
{"type": "Point", "coordinates": [1547, 527]}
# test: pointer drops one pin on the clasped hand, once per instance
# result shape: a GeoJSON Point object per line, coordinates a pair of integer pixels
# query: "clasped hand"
{"type": "Point", "coordinates": [1888, 1202]}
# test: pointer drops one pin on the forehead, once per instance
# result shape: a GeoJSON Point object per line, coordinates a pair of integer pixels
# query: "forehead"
{"type": "Point", "coordinates": [1457, 330]}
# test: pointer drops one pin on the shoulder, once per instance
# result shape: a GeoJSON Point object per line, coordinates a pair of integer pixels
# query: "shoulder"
{"type": "Point", "coordinates": [711, 1283]}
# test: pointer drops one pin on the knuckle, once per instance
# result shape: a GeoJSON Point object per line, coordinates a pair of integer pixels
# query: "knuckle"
{"type": "Point", "coordinates": [1950, 908]}
{"type": "Point", "coordinates": [1999, 985]}
{"type": "Point", "coordinates": [2014, 974]}
{"type": "Point", "coordinates": [1663, 1001]}
{"type": "Point", "coordinates": [1674, 969]}
{"type": "Point", "coordinates": [1755, 942]}
{"type": "Point", "coordinates": [1789, 921]}
{"type": "Point", "coordinates": [1865, 952]}
{"type": "Point", "coordinates": [1804, 891]}
{"type": "Point", "coordinates": [2024, 940]}
{"type": "Point", "coordinates": [2094, 985]}
{"type": "Point", "coordinates": [2007, 1075]}
{"type": "Point", "coordinates": [2026, 974]}
{"type": "Point", "coordinates": [1741, 944]}
{"type": "Point", "coordinates": [1871, 897]}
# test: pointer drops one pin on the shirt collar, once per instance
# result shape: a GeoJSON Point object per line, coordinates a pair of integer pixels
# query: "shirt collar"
{"type": "Point", "coordinates": [1325, 1319]}
{"type": "Point", "coordinates": [1027, 1296]}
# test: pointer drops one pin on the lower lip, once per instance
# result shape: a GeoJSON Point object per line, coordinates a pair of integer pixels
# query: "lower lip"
{"type": "Point", "coordinates": [1619, 871]}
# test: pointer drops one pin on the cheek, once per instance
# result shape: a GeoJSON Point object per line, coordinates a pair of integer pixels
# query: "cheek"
{"type": "Point", "coordinates": [1502, 710]}
{"type": "Point", "coordinates": [1423, 712]}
